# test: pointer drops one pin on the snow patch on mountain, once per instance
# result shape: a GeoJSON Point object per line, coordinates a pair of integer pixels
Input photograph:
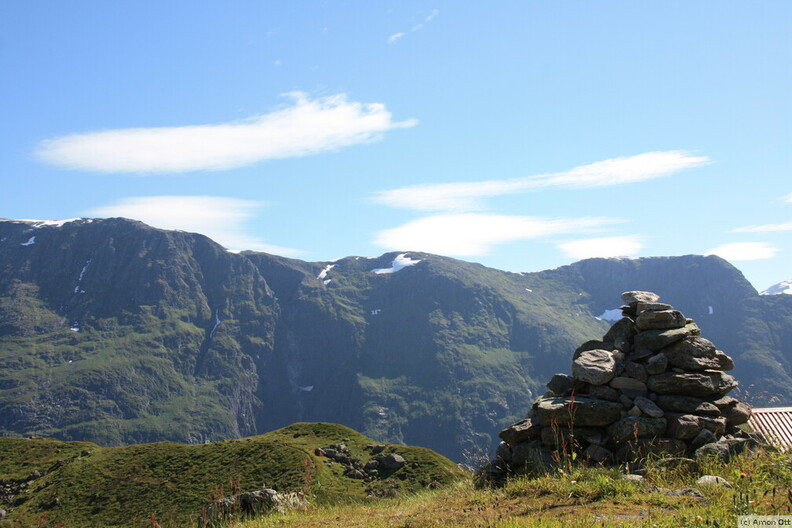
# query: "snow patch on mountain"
{"type": "Point", "coordinates": [35, 224]}
{"type": "Point", "coordinates": [610, 315]}
{"type": "Point", "coordinates": [399, 263]}
{"type": "Point", "coordinates": [323, 274]}
{"type": "Point", "coordinates": [784, 287]}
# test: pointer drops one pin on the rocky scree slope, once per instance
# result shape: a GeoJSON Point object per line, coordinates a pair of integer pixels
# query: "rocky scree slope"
{"type": "Point", "coordinates": [115, 332]}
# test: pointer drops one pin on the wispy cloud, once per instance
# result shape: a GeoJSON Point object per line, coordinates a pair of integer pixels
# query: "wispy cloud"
{"type": "Point", "coordinates": [221, 219]}
{"type": "Point", "coordinates": [618, 246]}
{"type": "Point", "coordinates": [396, 36]}
{"type": "Point", "coordinates": [766, 228]}
{"type": "Point", "coordinates": [468, 196]}
{"type": "Point", "coordinates": [309, 126]}
{"type": "Point", "coordinates": [745, 251]}
{"type": "Point", "coordinates": [417, 27]}
{"type": "Point", "coordinates": [475, 234]}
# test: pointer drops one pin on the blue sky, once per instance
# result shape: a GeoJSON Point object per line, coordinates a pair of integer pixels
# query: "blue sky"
{"type": "Point", "coordinates": [523, 135]}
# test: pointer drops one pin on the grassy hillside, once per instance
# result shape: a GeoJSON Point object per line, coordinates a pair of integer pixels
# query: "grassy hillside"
{"type": "Point", "coordinates": [579, 496]}
{"type": "Point", "coordinates": [170, 482]}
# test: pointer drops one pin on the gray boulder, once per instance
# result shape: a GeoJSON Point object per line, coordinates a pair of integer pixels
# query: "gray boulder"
{"type": "Point", "coordinates": [656, 364]}
{"type": "Point", "coordinates": [648, 407]}
{"type": "Point", "coordinates": [594, 366]}
{"type": "Point", "coordinates": [630, 297]}
{"type": "Point", "coordinates": [655, 340]}
{"type": "Point", "coordinates": [636, 371]}
{"type": "Point", "coordinates": [561, 384]}
{"type": "Point", "coordinates": [604, 392]}
{"type": "Point", "coordinates": [621, 334]}
{"type": "Point", "coordinates": [723, 449]}
{"type": "Point", "coordinates": [705, 436]}
{"type": "Point", "coordinates": [598, 454]}
{"type": "Point", "coordinates": [594, 344]}
{"type": "Point", "coordinates": [629, 386]}
{"type": "Point", "coordinates": [530, 455]}
{"type": "Point", "coordinates": [586, 412]}
{"type": "Point", "coordinates": [523, 431]}
{"type": "Point", "coordinates": [686, 405]}
{"type": "Point", "coordinates": [392, 462]}
{"type": "Point", "coordinates": [698, 384]}
{"type": "Point", "coordinates": [688, 426]}
{"type": "Point", "coordinates": [633, 427]}
{"type": "Point", "coordinates": [713, 480]}
{"type": "Point", "coordinates": [697, 353]}
{"type": "Point", "coordinates": [662, 320]}
{"type": "Point", "coordinates": [735, 412]}
{"type": "Point", "coordinates": [653, 307]}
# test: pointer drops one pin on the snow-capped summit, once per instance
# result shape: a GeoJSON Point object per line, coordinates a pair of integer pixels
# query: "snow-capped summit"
{"type": "Point", "coordinates": [778, 289]}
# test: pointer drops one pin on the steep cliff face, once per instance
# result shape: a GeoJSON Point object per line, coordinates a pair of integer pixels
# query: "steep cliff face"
{"type": "Point", "coordinates": [115, 332]}
{"type": "Point", "coordinates": [118, 332]}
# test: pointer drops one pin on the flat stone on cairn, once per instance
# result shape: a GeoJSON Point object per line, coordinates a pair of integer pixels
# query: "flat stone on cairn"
{"type": "Point", "coordinates": [650, 385]}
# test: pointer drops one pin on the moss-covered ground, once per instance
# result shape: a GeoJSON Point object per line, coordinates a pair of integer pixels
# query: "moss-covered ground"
{"type": "Point", "coordinates": [171, 483]}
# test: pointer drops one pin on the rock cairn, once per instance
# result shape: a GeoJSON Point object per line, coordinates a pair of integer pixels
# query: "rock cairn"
{"type": "Point", "coordinates": [652, 384]}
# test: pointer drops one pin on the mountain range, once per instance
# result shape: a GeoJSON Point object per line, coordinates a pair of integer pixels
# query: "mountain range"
{"type": "Point", "coordinates": [115, 332]}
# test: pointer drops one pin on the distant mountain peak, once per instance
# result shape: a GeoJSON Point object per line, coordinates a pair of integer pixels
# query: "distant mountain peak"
{"type": "Point", "coordinates": [49, 223]}
{"type": "Point", "coordinates": [784, 287]}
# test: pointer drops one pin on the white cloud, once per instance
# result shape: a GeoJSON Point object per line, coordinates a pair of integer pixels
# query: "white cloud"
{"type": "Point", "coordinates": [744, 251]}
{"type": "Point", "coordinates": [417, 27]}
{"type": "Point", "coordinates": [467, 196]}
{"type": "Point", "coordinates": [766, 228]}
{"type": "Point", "coordinates": [619, 246]}
{"type": "Point", "coordinates": [307, 127]}
{"type": "Point", "coordinates": [396, 36]}
{"type": "Point", "coordinates": [474, 234]}
{"type": "Point", "coordinates": [221, 219]}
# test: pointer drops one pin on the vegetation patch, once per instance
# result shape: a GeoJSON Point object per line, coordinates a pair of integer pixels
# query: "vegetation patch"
{"type": "Point", "coordinates": [578, 495]}
{"type": "Point", "coordinates": [84, 485]}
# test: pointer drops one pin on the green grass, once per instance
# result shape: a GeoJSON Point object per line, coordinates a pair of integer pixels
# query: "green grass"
{"type": "Point", "coordinates": [171, 482]}
{"type": "Point", "coordinates": [19, 457]}
{"type": "Point", "coordinates": [580, 496]}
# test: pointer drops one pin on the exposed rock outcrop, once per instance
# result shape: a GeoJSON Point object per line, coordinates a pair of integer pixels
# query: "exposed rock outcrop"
{"type": "Point", "coordinates": [652, 384]}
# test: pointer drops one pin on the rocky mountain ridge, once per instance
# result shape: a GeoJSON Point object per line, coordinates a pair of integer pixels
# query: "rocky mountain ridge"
{"type": "Point", "coordinates": [115, 332]}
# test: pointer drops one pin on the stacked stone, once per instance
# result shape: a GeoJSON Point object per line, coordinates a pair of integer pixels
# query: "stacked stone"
{"type": "Point", "coordinates": [652, 384]}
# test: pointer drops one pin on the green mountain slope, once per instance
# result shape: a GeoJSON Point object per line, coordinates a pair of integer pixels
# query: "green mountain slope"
{"type": "Point", "coordinates": [110, 332]}
{"type": "Point", "coordinates": [127, 486]}
{"type": "Point", "coordinates": [114, 332]}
